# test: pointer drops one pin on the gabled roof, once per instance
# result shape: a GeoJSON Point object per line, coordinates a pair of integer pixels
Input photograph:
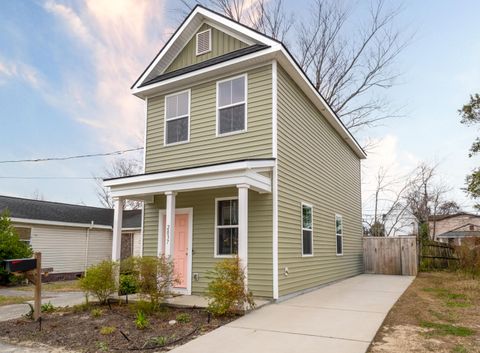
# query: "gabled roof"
{"type": "Point", "coordinates": [37, 210]}
{"type": "Point", "coordinates": [152, 80]}
{"type": "Point", "coordinates": [442, 217]}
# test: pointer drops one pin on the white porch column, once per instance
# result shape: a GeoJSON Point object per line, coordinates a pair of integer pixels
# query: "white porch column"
{"type": "Point", "coordinates": [243, 226]}
{"type": "Point", "coordinates": [117, 228]}
{"type": "Point", "coordinates": [170, 224]}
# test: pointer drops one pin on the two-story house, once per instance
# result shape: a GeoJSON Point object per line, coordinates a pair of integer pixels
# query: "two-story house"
{"type": "Point", "coordinates": [243, 157]}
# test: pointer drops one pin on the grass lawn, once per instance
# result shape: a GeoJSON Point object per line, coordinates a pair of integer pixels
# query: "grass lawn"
{"type": "Point", "coordinates": [439, 312]}
{"type": "Point", "coordinates": [7, 300]}
{"type": "Point", "coordinates": [60, 286]}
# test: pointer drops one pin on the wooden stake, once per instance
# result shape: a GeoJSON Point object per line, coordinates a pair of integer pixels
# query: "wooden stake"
{"type": "Point", "coordinates": [38, 287]}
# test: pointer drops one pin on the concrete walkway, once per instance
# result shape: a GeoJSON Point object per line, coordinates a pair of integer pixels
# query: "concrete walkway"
{"type": "Point", "coordinates": [340, 318]}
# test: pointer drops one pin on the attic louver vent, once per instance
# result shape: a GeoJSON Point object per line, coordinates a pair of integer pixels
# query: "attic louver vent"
{"type": "Point", "coordinates": [204, 42]}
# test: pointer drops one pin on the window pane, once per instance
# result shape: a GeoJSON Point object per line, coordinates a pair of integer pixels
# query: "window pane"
{"type": "Point", "coordinates": [227, 241]}
{"type": "Point", "coordinates": [307, 242]}
{"type": "Point", "coordinates": [224, 93]}
{"type": "Point", "coordinates": [232, 119]}
{"type": "Point", "coordinates": [307, 217]}
{"type": "Point", "coordinates": [177, 130]}
{"type": "Point", "coordinates": [238, 90]}
{"type": "Point", "coordinates": [182, 104]}
{"type": "Point", "coordinates": [227, 213]}
{"type": "Point", "coordinates": [338, 225]}
{"type": "Point", "coordinates": [339, 244]}
{"type": "Point", "coordinates": [171, 107]}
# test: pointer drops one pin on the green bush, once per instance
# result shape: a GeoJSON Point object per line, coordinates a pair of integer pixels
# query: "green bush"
{"type": "Point", "coordinates": [183, 318]}
{"type": "Point", "coordinates": [141, 321]}
{"type": "Point", "coordinates": [226, 292]}
{"type": "Point", "coordinates": [100, 280]}
{"type": "Point", "coordinates": [11, 247]}
{"type": "Point", "coordinates": [469, 256]}
{"type": "Point", "coordinates": [155, 278]}
{"type": "Point", "coordinates": [127, 285]}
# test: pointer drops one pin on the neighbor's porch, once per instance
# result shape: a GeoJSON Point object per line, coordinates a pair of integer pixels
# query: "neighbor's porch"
{"type": "Point", "coordinates": [197, 215]}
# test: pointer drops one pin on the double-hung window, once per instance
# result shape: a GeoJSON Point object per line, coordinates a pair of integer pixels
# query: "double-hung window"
{"type": "Point", "coordinates": [226, 227]}
{"type": "Point", "coordinates": [231, 105]}
{"type": "Point", "coordinates": [177, 117]}
{"type": "Point", "coordinates": [339, 234]}
{"type": "Point", "coordinates": [307, 230]}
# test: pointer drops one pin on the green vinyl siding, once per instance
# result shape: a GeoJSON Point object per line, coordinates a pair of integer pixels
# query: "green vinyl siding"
{"type": "Point", "coordinates": [222, 43]}
{"type": "Point", "coordinates": [203, 204]}
{"type": "Point", "coordinates": [204, 146]}
{"type": "Point", "coordinates": [317, 167]}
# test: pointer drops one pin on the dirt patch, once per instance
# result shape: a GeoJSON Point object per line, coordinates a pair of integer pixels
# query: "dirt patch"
{"type": "Point", "coordinates": [101, 329]}
{"type": "Point", "coordinates": [439, 312]}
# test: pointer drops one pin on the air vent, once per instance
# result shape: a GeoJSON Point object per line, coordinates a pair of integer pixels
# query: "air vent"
{"type": "Point", "coordinates": [204, 42]}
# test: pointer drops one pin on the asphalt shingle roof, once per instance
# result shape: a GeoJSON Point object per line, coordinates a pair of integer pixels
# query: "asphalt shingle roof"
{"type": "Point", "coordinates": [63, 212]}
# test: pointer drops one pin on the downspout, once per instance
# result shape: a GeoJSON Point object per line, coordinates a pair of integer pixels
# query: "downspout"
{"type": "Point", "coordinates": [86, 247]}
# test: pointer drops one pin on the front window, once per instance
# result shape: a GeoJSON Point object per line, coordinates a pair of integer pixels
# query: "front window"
{"type": "Point", "coordinates": [307, 230]}
{"type": "Point", "coordinates": [177, 113]}
{"type": "Point", "coordinates": [339, 234]}
{"type": "Point", "coordinates": [227, 227]}
{"type": "Point", "coordinates": [231, 105]}
{"type": "Point", "coordinates": [25, 234]}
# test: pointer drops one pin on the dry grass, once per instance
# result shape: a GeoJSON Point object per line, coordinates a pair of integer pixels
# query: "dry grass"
{"type": "Point", "coordinates": [7, 300]}
{"type": "Point", "coordinates": [60, 286]}
{"type": "Point", "coordinates": [439, 312]}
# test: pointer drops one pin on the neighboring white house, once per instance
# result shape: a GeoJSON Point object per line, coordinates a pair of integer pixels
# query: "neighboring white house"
{"type": "Point", "coordinates": [71, 237]}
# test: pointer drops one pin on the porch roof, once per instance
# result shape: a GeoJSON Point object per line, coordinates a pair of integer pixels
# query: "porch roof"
{"type": "Point", "coordinates": [144, 186]}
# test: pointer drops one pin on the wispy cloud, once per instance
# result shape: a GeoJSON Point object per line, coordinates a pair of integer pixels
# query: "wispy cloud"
{"type": "Point", "coordinates": [17, 70]}
{"type": "Point", "coordinates": [120, 37]}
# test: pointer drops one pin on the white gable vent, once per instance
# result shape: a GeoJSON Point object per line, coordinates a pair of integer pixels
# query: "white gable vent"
{"type": "Point", "coordinates": [204, 42]}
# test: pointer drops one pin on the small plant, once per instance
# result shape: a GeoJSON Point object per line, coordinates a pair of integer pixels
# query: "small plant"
{"type": "Point", "coordinates": [80, 308]}
{"type": "Point", "coordinates": [107, 330]}
{"type": "Point", "coordinates": [145, 307]}
{"type": "Point", "coordinates": [183, 318]}
{"type": "Point", "coordinates": [100, 280]}
{"type": "Point", "coordinates": [47, 308]}
{"type": "Point", "coordinates": [141, 321]}
{"type": "Point", "coordinates": [226, 291]}
{"type": "Point", "coordinates": [96, 312]}
{"type": "Point", "coordinates": [102, 346]}
{"type": "Point", "coordinates": [128, 285]}
{"type": "Point", "coordinates": [156, 278]}
{"type": "Point", "coordinates": [160, 340]}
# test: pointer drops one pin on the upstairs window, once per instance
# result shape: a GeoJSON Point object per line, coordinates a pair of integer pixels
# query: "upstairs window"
{"type": "Point", "coordinates": [204, 42]}
{"type": "Point", "coordinates": [226, 227]}
{"type": "Point", "coordinates": [307, 230]}
{"type": "Point", "coordinates": [231, 105]}
{"type": "Point", "coordinates": [177, 116]}
{"type": "Point", "coordinates": [339, 234]}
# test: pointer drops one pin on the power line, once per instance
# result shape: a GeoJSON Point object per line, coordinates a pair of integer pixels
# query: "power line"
{"type": "Point", "coordinates": [48, 177]}
{"type": "Point", "coordinates": [49, 159]}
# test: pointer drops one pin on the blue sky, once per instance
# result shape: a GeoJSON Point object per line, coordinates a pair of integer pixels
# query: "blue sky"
{"type": "Point", "coordinates": [66, 68]}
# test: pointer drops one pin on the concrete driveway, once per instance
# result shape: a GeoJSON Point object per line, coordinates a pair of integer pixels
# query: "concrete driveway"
{"type": "Point", "coordinates": [340, 318]}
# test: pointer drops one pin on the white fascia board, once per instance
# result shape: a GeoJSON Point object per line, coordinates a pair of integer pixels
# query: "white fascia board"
{"type": "Point", "coordinates": [301, 79]}
{"type": "Point", "coordinates": [56, 223]}
{"type": "Point", "coordinates": [191, 172]}
{"type": "Point", "coordinates": [202, 74]}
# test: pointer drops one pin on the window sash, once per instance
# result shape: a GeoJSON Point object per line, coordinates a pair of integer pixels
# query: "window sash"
{"type": "Point", "coordinates": [233, 234]}
{"type": "Point", "coordinates": [307, 247]}
{"type": "Point", "coordinates": [307, 228]}
{"type": "Point", "coordinates": [174, 112]}
{"type": "Point", "coordinates": [177, 114]}
{"type": "Point", "coordinates": [339, 234]}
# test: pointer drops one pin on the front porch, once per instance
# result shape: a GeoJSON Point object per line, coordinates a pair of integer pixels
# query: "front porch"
{"type": "Point", "coordinates": [196, 216]}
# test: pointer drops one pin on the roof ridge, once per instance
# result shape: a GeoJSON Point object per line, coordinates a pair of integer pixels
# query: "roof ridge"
{"type": "Point", "coordinates": [53, 202]}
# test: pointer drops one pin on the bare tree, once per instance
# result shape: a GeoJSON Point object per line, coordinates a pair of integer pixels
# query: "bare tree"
{"type": "Point", "coordinates": [350, 63]}
{"type": "Point", "coordinates": [120, 167]}
{"type": "Point", "coordinates": [448, 208]}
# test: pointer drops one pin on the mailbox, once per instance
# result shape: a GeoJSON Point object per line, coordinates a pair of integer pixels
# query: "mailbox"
{"type": "Point", "coordinates": [20, 265]}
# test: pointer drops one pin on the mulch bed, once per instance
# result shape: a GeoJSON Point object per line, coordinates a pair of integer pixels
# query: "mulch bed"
{"type": "Point", "coordinates": [79, 330]}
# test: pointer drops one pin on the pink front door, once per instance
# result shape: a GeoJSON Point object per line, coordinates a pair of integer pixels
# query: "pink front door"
{"type": "Point", "coordinates": [180, 251]}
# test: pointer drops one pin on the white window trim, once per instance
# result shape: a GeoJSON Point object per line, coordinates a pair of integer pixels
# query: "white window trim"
{"type": "Point", "coordinates": [216, 227]}
{"type": "Point", "coordinates": [302, 229]}
{"type": "Point", "coordinates": [337, 216]}
{"type": "Point", "coordinates": [209, 42]}
{"type": "Point", "coordinates": [165, 144]}
{"type": "Point", "coordinates": [245, 101]}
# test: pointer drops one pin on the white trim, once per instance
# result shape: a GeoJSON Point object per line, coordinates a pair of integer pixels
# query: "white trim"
{"type": "Point", "coordinates": [145, 134]}
{"type": "Point", "coordinates": [302, 229]}
{"type": "Point", "coordinates": [209, 30]}
{"type": "Point", "coordinates": [215, 227]}
{"type": "Point", "coordinates": [165, 119]}
{"type": "Point", "coordinates": [275, 178]}
{"type": "Point", "coordinates": [160, 234]}
{"type": "Point", "coordinates": [57, 223]}
{"type": "Point", "coordinates": [245, 102]}
{"type": "Point", "coordinates": [337, 216]}
{"type": "Point", "coordinates": [142, 229]}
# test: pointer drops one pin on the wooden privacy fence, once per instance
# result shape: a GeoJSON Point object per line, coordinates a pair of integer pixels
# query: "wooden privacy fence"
{"type": "Point", "coordinates": [435, 255]}
{"type": "Point", "coordinates": [390, 255]}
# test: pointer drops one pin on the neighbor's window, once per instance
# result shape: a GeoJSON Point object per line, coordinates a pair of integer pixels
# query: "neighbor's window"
{"type": "Point", "coordinates": [227, 227]}
{"type": "Point", "coordinates": [25, 234]}
{"type": "Point", "coordinates": [177, 115]}
{"type": "Point", "coordinates": [307, 230]}
{"type": "Point", "coordinates": [231, 105]}
{"type": "Point", "coordinates": [339, 234]}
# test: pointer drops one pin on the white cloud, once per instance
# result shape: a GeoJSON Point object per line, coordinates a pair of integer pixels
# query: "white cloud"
{"type": "Point", "coordinates": [17, 70]}
{"type": "Point", "coordinates": [120, 37]}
